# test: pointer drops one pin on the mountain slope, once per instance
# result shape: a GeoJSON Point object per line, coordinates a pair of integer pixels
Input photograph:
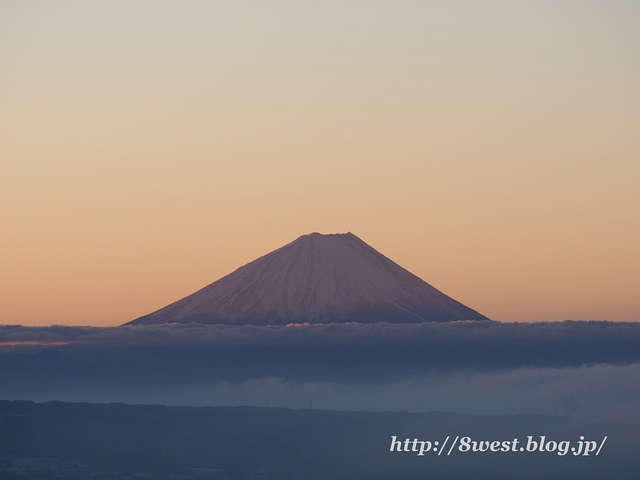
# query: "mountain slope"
{"type": "Point", "coordinates": [316, 279]}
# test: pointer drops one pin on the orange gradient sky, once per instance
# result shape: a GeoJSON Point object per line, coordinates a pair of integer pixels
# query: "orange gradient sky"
{"type": "Point", "coordinates": [149, 148]}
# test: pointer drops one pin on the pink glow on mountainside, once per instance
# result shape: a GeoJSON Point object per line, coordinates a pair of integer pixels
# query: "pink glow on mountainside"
{"type": "Point", "coordinates": [316, 279]}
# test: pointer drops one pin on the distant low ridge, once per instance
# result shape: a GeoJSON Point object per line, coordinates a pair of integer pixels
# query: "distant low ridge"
{"type": "Point", "coordinates": [316, 279]}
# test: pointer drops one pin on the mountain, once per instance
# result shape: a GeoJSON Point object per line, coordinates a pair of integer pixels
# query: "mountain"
{"type": "Point", "coordinates": [316, 279]}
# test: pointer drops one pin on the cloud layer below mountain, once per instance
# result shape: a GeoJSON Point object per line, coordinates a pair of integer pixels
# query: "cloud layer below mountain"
{"type": "Point", "coordinates": [197, 334]}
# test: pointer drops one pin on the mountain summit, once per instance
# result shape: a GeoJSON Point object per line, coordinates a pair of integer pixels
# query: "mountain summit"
{"type": "Point", "coordinates": [316, 279]}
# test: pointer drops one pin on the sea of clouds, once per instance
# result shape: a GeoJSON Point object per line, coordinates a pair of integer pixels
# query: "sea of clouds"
{"type": "Point", "coordinates": [592, 389]}
{"type": "Point", "coordinates": [199, 334]}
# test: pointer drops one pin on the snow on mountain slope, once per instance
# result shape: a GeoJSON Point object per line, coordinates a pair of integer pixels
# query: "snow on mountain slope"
{"type": "Point", "coordinates": [316, 279]}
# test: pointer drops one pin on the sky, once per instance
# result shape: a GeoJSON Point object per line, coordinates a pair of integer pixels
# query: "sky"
{"type": "Point", "coordinates": [149, 148]}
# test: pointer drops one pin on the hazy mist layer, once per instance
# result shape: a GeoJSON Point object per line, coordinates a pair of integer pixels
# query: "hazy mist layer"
{"type": "Point", "coordinates": [568, 368]}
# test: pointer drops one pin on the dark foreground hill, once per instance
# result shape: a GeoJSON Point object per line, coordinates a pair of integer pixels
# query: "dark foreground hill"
{"type": "Point", "coordinates": [238, 443]}
{"type": "Point", "coordinates": [316, 279]}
